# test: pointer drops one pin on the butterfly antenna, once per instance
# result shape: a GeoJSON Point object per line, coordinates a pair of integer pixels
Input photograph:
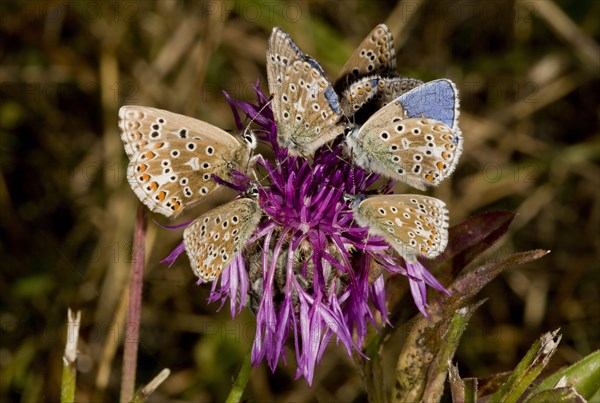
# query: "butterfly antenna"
{"type": "Point", "coordinates": [328, 145]}
{"type": "Point", "coordinates": [247, 130]}
{"type": "Point", "coordinates": [258, 182]}
{"type": "Point", "coordinates": [250, 138]}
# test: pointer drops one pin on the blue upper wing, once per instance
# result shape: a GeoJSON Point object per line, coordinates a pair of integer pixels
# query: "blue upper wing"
{"type": "Point", "coordinates": [436, 100]}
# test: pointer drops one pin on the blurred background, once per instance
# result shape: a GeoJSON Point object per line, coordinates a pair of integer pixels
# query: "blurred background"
{"type": "Point", "coordinates": [529, 77]}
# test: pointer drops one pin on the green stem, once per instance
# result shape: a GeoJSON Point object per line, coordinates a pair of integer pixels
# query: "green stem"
{"type": "Point", "coordinates": [372, 373]}
{"type": "Point", "coordinates": [235, 395]}
{"type": "Point", "coordinates": [69, 380]}
{"type": "Point", "coordinates": [438, 369]}
{"type": "Point", "coordinates": [69, 372]}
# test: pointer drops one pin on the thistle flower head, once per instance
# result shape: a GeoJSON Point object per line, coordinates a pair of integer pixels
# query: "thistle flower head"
{"type": "Point", "coordinates": [309, 272]}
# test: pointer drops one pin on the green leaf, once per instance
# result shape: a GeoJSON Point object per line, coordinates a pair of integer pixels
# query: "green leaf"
{"type": "Point", "coordinates": [584, 376]}
{"type": "Point", "coordinates": [436, 375]}
{"type": "Point", "coordinates": [528, 369]}
{"type": "Point", "coordinates": [558, 395]}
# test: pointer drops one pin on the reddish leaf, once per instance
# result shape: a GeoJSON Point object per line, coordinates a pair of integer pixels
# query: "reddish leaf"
{"type": "Point", "coordinates": [470, 239]}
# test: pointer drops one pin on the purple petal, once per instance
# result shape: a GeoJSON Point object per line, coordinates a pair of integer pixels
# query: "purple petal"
{"type": "Point", "coordinates": [179, 249]}
{"type": "Point", "coordinates": [417, 287]}
{"type": "Point", "coordinates": [233, 105]}
{"type": "Point", "coordinates": [185, 224]}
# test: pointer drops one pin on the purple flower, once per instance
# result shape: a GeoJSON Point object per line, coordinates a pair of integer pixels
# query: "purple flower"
{"type": "Point", "coordinates": [309, 272]}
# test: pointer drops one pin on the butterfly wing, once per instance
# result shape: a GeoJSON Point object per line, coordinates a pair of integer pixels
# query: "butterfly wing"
{"type": "Point", "coordinates": [215, 238]}
{"type": "Point", "coordinates": [281, 51]}
{"type": "Point", "coordinates": [306, 108]}
{"type": "Point", "coordinates": [172, 157]}
{"type": "Point", "coordinates": [410, 146]}
{"type": "Point", "coordinates": [382, 90]}
{"type": "Point", "coordinates": [420, 152]}
{"type": "Point", "coordinates": [391, 88]}
{"type": "Point", "coordinates": [360, 93]}
{"type": "Point", "coordinates": [436, 99]}
{"type": "Point", "coordinates": [414, 225]}
{"type": "Point", "coordinates": [374, 56]}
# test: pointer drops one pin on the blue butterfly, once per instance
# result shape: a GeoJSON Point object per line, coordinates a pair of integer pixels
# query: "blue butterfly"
{"type": "Point", "coordinates": [415, 138]}
{"type": "Point", "coordinates": [305, 106]}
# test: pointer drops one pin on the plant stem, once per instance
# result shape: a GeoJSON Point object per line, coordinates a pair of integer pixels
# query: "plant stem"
{"type": "Point", "coordinates": [132, 327]}
{"type": "Point", "coordinates": [147, 390]}
{"type": "Point", "coordinates": [69, 373]}
{"type": "Point", "coordinates": [235, 395]}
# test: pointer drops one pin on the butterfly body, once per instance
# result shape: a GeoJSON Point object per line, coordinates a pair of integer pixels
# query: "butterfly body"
{"type": "Point", "coordinates": [414, 225]}
{"type": "Point", "coordinates": [173, 157]}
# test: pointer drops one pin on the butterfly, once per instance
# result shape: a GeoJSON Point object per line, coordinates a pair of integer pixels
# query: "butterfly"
{"type": "Point", "coordinates": [215, 238]}
{"type": "Point", "coordinates": [370, 74]}
{"type": "Point", "coordinates": [392, 87]}
{"type": "Point", "coordinates": [375, 56]}
{"type": "Point", "coordinates": [305, 106]}
{"type": "Point", "coordinates": [414, 139]}
{"type": "Point", "coordinates": [414, 225]}
{"type": "Point", "coordinates": [173, 157]}
{"type": "Point", "coordinates": [360, 93]}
